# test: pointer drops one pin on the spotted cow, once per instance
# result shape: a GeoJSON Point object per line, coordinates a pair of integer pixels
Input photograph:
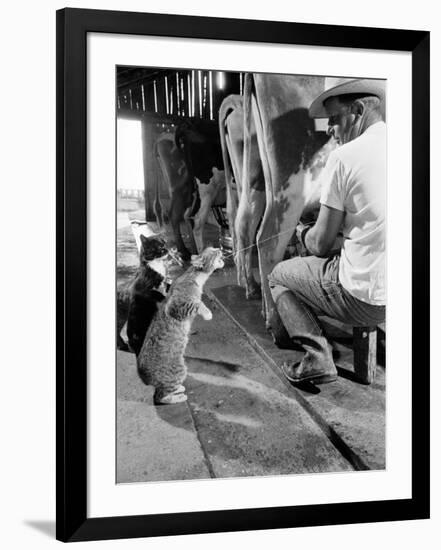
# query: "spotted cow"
{"type": "Point", "coordinates": [245, 203]}
{"type": "Point", "coordinates": [191, 162]}
{"type": "Point", "coordinates": [291, 156]}
{"type": "Point", "coordinates": [180, 187]}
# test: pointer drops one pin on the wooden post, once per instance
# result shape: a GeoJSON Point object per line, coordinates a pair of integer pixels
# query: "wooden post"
{"type": "Point", "coordinates": [167, 95]}
{"type": "Point", "coordinates": [149, 168]}
{"type": "Point", "coordinates": [161, 95]}
{"type": "Point", "coordinates": [143, 96]}
{"type": "Point", "coordinates": [155, 96]}
{"type": "Point", "coordinates": [189, 112]}
{"type": "Point", "coordinates": [365, 353]}
{"type": "Point", "coordinates": [199, 94]}
{"type": "Point", "coordinates": [193, 92]}
{"type": "Point", "coordinates": [210, 91]}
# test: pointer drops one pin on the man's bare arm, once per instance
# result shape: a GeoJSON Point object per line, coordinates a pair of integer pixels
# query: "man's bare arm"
{"type": "Point", "coordinates": [320, 239]}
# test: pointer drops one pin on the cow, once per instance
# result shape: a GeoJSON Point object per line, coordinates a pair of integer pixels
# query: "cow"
{"type": "Point", "coordinates": [272, 163]}
{"type": "Point", "coordinates": [180, 187]}
{"type": "Point", "coordinates": [199, 141]}
{"type": "Point", "coordinates": [246, 184]}
{"type": "Point", "coordinates": [191, 162]}
{"type": "Point", "coordinates": [292, 154]}
{"type": "Point", "coordinates": [245, 204]}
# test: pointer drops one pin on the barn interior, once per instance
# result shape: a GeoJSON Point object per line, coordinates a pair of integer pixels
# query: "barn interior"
{"type": "Point", "coordinates": [242, 417]}
{"type": "Point", "coordinates": [151, 102]}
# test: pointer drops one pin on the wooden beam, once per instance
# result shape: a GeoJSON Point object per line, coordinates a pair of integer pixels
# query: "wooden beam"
{"type": "Point", "coordinates": [149, 116]}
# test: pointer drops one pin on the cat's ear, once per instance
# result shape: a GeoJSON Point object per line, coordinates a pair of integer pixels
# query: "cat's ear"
{"type": "Point", "coordinates": [144, 239]}
{"type": "Point", "coordinates": [162, 238]}
{"type": "Point", "coordinates": [197, 261]}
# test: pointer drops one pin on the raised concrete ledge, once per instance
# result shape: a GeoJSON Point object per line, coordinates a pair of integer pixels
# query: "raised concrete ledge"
{"type": "Point", "coordinates": [350, 414]}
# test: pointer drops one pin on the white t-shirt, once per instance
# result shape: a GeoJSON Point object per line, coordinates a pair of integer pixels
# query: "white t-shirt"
{"type": "Point", "coordinates": [354, 181]}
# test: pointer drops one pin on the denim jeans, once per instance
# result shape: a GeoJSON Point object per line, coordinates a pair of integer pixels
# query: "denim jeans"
{"type": "Point", "coordinates": [315, 290]}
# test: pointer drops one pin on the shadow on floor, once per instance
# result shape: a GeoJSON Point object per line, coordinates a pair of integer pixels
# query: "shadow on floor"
{"type": "Point", "coordinates": [45, 527]}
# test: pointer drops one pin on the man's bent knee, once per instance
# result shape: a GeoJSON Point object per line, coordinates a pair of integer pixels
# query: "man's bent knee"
{"type": "Point", "coordinates": [284, 273]}
{"type": "Point", "coordinates": [277, 290]}
{"type": "Point", "coordinates": [276, 275]}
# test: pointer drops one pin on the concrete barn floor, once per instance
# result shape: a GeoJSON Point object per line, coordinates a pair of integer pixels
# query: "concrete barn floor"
{"type": "Point", "coordinates": [242, 418]}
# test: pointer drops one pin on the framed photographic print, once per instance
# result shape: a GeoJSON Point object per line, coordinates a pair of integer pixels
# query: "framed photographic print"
{"type": "Point", "coordinates": [242, 218]}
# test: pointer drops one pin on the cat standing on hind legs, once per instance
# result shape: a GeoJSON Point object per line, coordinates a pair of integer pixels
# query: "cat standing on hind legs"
{"type": "Point", "coordinates": [161, 359]}
{"type": "Point", "coordinates": [138, 299]}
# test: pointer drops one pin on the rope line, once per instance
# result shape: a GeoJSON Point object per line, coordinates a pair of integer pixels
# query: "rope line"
{"type": "Point", "coordinates": [264, 240]}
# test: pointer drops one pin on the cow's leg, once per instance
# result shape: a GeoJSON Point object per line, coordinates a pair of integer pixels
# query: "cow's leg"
{"type": "Point", "coordinates": [231, 136]}
{"type": "Point", "coordinates": [157, 205]}
{"type": "Point", "coordinates": [284, 203]}
{"type": "Point", "coordinates": [233, 191]}
{"type": "Point", "coordinates": [190, 225]}
{"type": "Point", "coordinates": [199, 223]}
{"type": "Point", "coordinates": [207, 194]}
{"type": "Point", "coordinates": [231, 182]}
{"type": "Point", "coordinates": [176, 215]}
{"type": "Point", "coordinates": [277, 228]}
{"type": "Point", "coordinates": [251, 202]}
{"type": "Point", "coordinates": [251, 207]}
{"type": "Point", "coordinates": [282, 212]}
{"type": "Point", "coordinates": [232, 212]}
{"type": "Point", "coordinates": [286, 199]}
{"type": "Point", "coordinates": [255, 212]}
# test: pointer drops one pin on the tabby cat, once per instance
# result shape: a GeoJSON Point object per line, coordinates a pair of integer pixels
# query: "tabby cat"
{"type": "Point", "coordinates": [161, 359]}
{"type": "Point", "coordinates": [137, 300]}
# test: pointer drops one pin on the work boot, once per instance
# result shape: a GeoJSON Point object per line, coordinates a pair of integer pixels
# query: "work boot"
{"type": "Point", "coordinates": [303, 371]}
{"type": "Point", "coordinates": [275, 326]}
{"type": "Point", "coordinates": [302, 326]}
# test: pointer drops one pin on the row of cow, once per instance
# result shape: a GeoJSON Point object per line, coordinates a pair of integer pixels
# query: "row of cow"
{"type": "Point", "coordinates": [265, 156]}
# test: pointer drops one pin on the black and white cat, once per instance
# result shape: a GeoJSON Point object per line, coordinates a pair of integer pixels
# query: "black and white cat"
{"type": "Point", "coordinates": [138, 299]}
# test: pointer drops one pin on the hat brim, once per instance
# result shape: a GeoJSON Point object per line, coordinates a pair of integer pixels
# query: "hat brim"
{"type": "Point", "coordinates": [359, 86]}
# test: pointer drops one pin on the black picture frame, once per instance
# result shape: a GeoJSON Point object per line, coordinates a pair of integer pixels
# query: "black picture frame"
{"type": "Point", "coordinates": [71, 429]}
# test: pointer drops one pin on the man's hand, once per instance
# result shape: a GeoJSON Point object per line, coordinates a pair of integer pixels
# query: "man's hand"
{"type": "Point", "coordinates": [299, 230]}
{"type": "Point", "coordinates": [321, 238]}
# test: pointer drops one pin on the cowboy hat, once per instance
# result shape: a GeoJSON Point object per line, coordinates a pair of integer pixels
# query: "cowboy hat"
{"type": "Point", "coordinates": [345, 86]}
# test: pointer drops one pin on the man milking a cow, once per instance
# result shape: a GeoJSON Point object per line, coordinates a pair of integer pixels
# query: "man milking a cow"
{"type": "Point", "coordinates": [348, 285]}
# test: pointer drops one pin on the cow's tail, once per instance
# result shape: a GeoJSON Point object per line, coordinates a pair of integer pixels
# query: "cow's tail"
{"type": "Point", "coordinates": [246, 161]}
{"type": "Point", "coordinates": [227, 107]}
{"type": "Point", "coordinates": [157, 205]}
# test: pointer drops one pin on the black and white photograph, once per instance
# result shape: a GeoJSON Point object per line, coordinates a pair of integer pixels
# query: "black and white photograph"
{"type": "Point", "coordinates": [242, 217]}
{"type": "Point", "coordinates": [250, 274]}
{"type": "Point", "coordinates": [220, 328]}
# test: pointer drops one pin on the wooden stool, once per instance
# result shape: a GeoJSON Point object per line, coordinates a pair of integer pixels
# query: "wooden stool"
{"type": "Point", "coordinates": [365, 353]}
